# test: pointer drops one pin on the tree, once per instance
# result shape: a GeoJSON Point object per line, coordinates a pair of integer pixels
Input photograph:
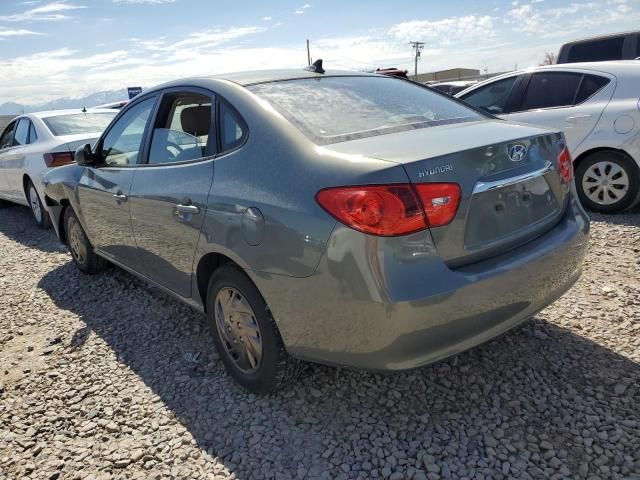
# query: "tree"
{"type": "Point", "coordinates": [549, 58]}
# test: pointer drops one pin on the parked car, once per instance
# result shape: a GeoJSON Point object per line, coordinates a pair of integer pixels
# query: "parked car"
{"type": "Point", "coordinates": [451, 88]}
{"type": "Point", "coordinates": [617, 46]}
{"type": "Point", "coordinates": [596, 105]}
{"type": "Point", "coordinates": [36, 142]}
{"type": "Point", "coordinates": [341, 218]}
{"type": "Point", "coordinates": [113, 105]}
{"type": "Point", "coordinates": [393, 72]}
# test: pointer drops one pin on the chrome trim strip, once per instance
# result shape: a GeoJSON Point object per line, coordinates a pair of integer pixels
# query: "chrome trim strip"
{"type": "Point", "coordinates": [486, 186]}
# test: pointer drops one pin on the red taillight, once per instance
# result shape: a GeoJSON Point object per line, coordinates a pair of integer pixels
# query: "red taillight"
{"type": "Point", "coordinates": [58, 159]}
{"type": "Point", "coordinates": [391, 210]}
{"type": "Point", "coordinates": [387, 210]}
{"type": "Point", "coordinates": [440, 201]}
{"type": "Point", "coordinates": [565, 166]}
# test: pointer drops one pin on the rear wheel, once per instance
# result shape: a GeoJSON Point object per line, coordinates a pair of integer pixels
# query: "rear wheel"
{"type": "Point", "coordinates": [607, 181]}
{"type": "Point", "coordinates": [40, 214]}
{"type": "Point", "coordinates": [246, 335]}
{"type": "Point", "coordinates": [81, 250]}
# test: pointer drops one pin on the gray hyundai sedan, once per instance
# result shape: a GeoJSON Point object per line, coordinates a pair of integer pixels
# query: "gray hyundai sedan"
{"type": "Point", "coordinates": [341, 218]}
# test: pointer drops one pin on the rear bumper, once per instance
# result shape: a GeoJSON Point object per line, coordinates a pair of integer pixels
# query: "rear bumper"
{"type": "Point", "coordinates": [392, 304]}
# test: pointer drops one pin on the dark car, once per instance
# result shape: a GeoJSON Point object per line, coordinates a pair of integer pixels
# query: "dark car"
{"type": "Point", "coordinates": [617, 46]}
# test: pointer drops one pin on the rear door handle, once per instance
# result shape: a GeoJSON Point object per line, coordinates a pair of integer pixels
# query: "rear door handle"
{"type": "Point", "coordinates": [187, 208]}
{"type": "Point", "coordinates": [119, 196]}
{"type": "Point", "coordinates": [578, 118]}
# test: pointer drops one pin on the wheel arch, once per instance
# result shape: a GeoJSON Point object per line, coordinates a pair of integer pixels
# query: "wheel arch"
{"type": "Point", "coordinates": [206, 267]}
{"type": "Point", "coordinates": [580, 158]}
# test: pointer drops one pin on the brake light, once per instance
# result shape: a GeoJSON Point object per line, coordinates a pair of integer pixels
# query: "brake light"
{"type": "Point", "coordinates": [385, 210]}
{"type": "Point", "coordinates": [58, 159]}
{"type": "Point", "coordinates": [392, 210]}
{"type": "Point", "coordinates": [565, 166]}
{"type": "Point", "coordinates": [440, 201]}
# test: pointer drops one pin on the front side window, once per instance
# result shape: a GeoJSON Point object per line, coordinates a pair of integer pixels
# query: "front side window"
{"type": "Point", "coordinates": [181, 131]}
{"type": "Point", "coordinates": [492, 98]}
{"type": "Point", "coordinates": [21, 136]}
{"type": "Point", "coordinates": [6, 140]}
{"type": "Point", "coordinates": [121, 145]}
{"type": "Point", "coordinates": [78, 123]}
{"type": "Point", "coordinates": [551, 89]}
{"type": "Point", "coordinates": [231, 130]}
{"type": "Point", "coordinates": [336, 109]}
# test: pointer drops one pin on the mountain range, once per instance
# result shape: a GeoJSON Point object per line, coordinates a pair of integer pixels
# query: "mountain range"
{"type": "Point", "coordinates": [98, 98]}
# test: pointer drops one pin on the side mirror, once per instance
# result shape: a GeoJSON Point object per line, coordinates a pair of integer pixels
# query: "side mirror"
{"type": "Point", "coordinates": [84, 156]}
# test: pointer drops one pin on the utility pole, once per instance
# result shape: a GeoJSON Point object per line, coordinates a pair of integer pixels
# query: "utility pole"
{"type": "Point", "coordinates": [308, 53]}
{"type": "Point", "coordinates": [417, 48]}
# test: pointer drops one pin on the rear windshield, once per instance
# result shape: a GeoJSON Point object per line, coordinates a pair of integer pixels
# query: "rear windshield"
{"type": "Point", "coordinates": [77, 123]}
{"type": "Point", "coordinates": [336, 109]}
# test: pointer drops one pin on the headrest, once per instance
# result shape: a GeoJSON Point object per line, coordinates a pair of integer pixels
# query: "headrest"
{"type": "Point", "coordinates": [196, 121]}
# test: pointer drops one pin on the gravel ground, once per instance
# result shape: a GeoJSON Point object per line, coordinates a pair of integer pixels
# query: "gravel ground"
{"type": "Point", "coordinates": [104, 377]}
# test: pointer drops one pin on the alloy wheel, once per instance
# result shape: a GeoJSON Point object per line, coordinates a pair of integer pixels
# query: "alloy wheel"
{"type": "Point", "coordinates": [77, 243]}
{"type": "Point", "coordinates": [238, 329]}
{"type": "Point", "coordinates": [35, 204]}
{"type": "Point", "coordinates": [605, 183]}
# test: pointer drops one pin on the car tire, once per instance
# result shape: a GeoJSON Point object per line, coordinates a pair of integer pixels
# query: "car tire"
{"type": "Point", "coordinates": [81, 250]}
{"type": "Point", "coordinates": [252, 351]}
{"type": "Point", "coordinates": [607, 181]}
{"type": "Point", "coordinates": [40, 214]}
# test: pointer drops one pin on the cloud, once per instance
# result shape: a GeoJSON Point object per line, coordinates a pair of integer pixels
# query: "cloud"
{"type": "Point", "coordinates": [447, 31]}
{"type": "Point", "coordinates": [299, 12]}
{"type": "Point", "coordinates": [266, 19]}
{"type": "Point", "coordinates": [16, 33]}
{"type": "Point", "coordinates": [146, 2]}
{"type": "Point", "coordinates": [48, 12]}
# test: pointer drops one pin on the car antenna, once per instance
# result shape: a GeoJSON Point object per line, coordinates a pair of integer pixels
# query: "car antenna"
{"type": "Point", "coordinates": [84, 110]}
{"type": "Point", "coordinates": [316, 67]}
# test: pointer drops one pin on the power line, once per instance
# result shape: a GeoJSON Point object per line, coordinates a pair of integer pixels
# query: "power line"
{"type": "Point", "coordinates": [417, 48]}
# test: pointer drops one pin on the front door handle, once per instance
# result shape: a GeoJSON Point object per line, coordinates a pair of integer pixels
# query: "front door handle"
{"type": "Point", "coordinates": [187, 209]}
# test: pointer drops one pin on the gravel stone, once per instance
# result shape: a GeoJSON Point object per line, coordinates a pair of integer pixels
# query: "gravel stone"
{"type": "Point", "coordinates": [104, 377]}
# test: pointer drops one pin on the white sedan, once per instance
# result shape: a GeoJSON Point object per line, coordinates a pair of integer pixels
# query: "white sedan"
{"type": "Point", "coordinates": [596, 105]}
{"type": "Point", "coordinates": [35, 142]}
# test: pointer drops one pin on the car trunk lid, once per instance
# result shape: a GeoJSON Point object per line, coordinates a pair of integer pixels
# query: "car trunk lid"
{"type": "Point", "coordinates": [511, 189]}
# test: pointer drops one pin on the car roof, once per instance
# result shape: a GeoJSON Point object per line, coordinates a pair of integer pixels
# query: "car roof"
{"type": "Point", "coordinates": [253, 77]}
{"type": "Point", "coordinates": [69, 111]}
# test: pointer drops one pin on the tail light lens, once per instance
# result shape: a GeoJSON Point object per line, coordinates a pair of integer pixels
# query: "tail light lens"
{"type": "Point", "coordinates": [565, 166]}
{"type": "Point", "coordinates": [392, 210]}
{"type": "Point", "coordinates": [387, 210]}
{"type": "Point", "coordinates": [440, 201]}
{"type": "Point", "coordinates": [58, 159]}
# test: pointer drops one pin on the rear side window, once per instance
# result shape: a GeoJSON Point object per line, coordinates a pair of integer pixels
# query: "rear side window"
{"type": "Point", "coordinates": [597, 50]}
{"type": "Point", "coordinates": [78, 123]}
{"type": "Point", "coordinates": [551, 89]}
{"type": "Point", "coordinates": [590, 85]}
{"type": "Point", "coordinates": [336, 109]}
{"type": "Point", "coordinates": [182, 128]}
{"type": "Point", "coordinates": [33, 136]}
{"type": "Point", "coordinates": [493, 97]}
{"type": "Point", "coordinates": [231, 129]}
{"type": "Point", "coordinates": [6, 139]}
{"type": "Point", "coordinates": [21, 136]}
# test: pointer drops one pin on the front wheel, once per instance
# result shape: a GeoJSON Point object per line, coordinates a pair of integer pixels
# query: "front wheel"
{"type": "Point", "coordinates": [246, 335]}
{"type": "Point", "coordinates": [40, 215]}
{"type": "Point", "coordinates": [607, 181]}
{"type": "Point", "coordinates": [81, 250]}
